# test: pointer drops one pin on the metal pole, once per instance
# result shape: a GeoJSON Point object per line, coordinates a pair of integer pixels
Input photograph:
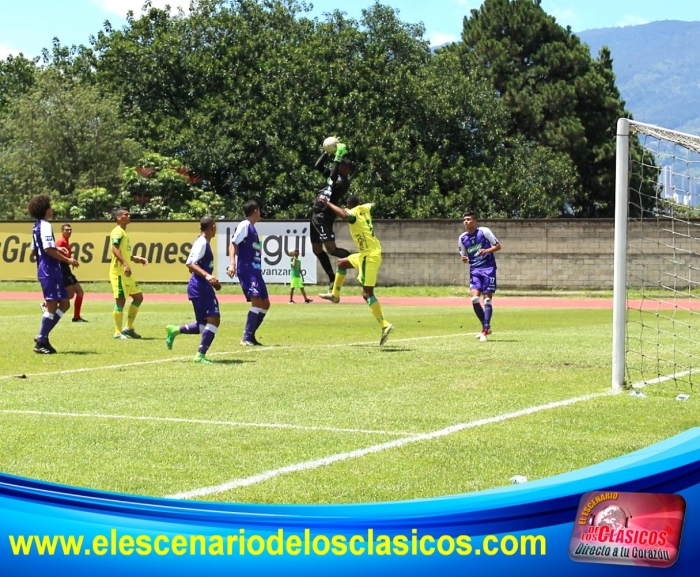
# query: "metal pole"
{"type": "Point", "coordinates": [620, 253]}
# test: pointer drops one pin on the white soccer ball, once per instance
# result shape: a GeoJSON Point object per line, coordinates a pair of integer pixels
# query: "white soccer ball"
{"type": "Point", "coordinates": [330, 145]}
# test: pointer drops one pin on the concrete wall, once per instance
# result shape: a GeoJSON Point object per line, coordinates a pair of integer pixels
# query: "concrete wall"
{"type": "Point", "coordinates": [552, 254]}
{"type": "Point", "coordinates": [537, 254]}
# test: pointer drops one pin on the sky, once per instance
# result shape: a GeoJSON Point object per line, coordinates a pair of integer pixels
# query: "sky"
{"type": "Point", "coordinates": [27, 26]}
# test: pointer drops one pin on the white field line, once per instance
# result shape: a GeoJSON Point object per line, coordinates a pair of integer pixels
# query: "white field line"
{"type": "Point", "coordinates": [202, 422]}
{"type": "Point", "coordinates": [240, 351]}
{"type": "Point", "coordinates": [316, 463]}
{"type": "Point", "coordinates": [102, 367]}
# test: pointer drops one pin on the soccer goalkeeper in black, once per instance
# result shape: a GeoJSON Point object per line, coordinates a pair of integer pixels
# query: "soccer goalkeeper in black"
{"type": "Point", "coordinates": [322, 217]}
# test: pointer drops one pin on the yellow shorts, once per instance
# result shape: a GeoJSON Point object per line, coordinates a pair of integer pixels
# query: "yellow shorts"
{"type": "Point", "coordinates": [367, 265]}
{"type": "Point", "coordinates": [124, 286]}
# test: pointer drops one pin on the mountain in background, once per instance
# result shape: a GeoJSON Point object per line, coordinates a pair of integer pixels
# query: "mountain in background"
{"type": "Point", "coordinates": [657, 66]}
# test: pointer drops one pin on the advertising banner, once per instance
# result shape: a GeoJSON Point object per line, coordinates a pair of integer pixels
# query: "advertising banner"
{"type": "Point", "coordinates": [278, 239]}
{"type": "Point", "coordinates": [165, 245]}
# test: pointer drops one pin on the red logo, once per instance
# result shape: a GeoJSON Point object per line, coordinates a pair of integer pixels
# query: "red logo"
{"type": "Point", "coordinates": [642, 529]}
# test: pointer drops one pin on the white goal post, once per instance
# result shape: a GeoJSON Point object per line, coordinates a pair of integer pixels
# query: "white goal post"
{"type": "Point", "coordinates": [656, 279]}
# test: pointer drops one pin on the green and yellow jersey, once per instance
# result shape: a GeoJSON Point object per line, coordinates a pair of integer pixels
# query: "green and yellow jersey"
{"type": "Point", "coordinates": [120, 239]}
{"type": "Point", "coordinates": [361, 228]}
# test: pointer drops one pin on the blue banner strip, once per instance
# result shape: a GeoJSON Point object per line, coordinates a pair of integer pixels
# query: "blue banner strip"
{"type": "Point", "coordinates": [488, 532]}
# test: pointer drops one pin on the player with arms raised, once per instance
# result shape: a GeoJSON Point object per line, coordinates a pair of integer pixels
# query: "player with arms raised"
{"type": "Point", "coordinates": [322, 217]}
{"type": "Point", "coordinates": [367, 261]}
{"type": "Point", "coordinates": [476, 247]}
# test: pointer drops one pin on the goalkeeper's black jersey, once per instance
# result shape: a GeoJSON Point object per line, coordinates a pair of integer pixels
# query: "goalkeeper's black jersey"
{"type": "Point", "coordinates": [335, 191]}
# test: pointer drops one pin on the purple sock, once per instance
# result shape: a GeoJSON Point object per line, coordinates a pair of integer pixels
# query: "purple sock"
{"type": "Point", "coordinates": [488, 311]}
{"type": "Point", "coordinates": [259, 320]}
{"type": "Point", "coordinates": [48, 322]}
{"type": "Point", "coordinates": [205, 343]}
{"type": "Point", "coordinates": [251, 324]}
{"type": "Point", "coordinates": [191, 329]}
{"type": "Point", "coordinates": [479, 311]}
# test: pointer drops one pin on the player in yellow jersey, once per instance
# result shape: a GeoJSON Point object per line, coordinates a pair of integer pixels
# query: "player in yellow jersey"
{"type": "Point", "coordinates": [124, 284]}
{"type": "Point", "coordinates": [367, 261]}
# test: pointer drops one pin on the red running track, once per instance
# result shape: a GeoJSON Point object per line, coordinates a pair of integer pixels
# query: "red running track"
{"type": "Point", "coordinates": [510, 302]}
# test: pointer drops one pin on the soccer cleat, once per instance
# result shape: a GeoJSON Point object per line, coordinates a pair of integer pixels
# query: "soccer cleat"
{"type": "Point", "coordinates": [120, 336]}
{"type": "Point", "coordinates": [256, 342]}
{"type": "Point", "coordinates": [200, 358]}
{"type": "Point", "coordinates": [483, 337]}
{"type": "Point", "coordinates": [247, 343]}
{"type": "Point", "coordinates": [43, 307]}
{"type": "Point", "coordinates": [307, 301]}
{"type": "Point", "coordinates": [79, 320]}
{"type": "Point", "coordinates": [478, 335]}
{"type": "Point", "coordinates": [171, 331]}
{"type": "Point", "coordinates": [44, 348]}
{"type": "Point", "coordinates": [130, 333]}
{"type": "Point", "coordinates": [386, 331]}
{"type": "Point", "coordinates": [292, 303]}
{"type": "Point", "coordinates": [330, 297]}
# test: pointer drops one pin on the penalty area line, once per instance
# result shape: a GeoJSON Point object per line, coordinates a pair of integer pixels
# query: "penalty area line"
{"type": "Point", "coordinates": [201, 422]}
{"type": "Point", "coordinates": [395, 444]}
{"type": "Point", "coordinates": [127, 365]}
{"type": "Point", "coordinates": [223, 353]}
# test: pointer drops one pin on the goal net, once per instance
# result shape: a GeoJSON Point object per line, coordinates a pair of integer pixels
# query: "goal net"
{"type": "Point", "coordinates": [656, 311]}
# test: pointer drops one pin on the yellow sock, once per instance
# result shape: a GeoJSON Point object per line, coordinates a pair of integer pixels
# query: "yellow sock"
{"type": "Point", "coordinates": [377, 313]}
{"type": "Point", "coordinates": [118, 315]}
{"type": "Point", "coordinates": [131, 316]}
{"type": "Point", "coordinates": [340, 275]}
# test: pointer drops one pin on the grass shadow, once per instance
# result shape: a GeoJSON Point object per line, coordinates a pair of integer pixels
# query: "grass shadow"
{"type": "Point", "coordinates": [217, 361]}
{"type": "Point", "coordinates": [389, 348]}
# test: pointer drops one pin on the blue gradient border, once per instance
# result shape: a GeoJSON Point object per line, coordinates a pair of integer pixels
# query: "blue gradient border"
{"type": "Point", "coordinates": [545, 507]}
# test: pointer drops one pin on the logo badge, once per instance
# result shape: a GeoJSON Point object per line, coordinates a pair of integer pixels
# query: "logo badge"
{"type": "Point", "coordinates": [641, 529]}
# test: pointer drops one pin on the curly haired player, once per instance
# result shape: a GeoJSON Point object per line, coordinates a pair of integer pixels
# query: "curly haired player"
{"type": "Point", "coordinates": [49, 274]}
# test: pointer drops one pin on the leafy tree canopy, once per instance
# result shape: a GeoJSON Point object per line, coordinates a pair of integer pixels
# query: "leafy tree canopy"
{"type": "Point", "coordinates": [558, 96]}
{"type": "Point", "coordinates": [515, 121]}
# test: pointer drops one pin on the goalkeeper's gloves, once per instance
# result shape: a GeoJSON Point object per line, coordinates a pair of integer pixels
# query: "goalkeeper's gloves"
{"type": "Point", "coordinates": [340, 152]}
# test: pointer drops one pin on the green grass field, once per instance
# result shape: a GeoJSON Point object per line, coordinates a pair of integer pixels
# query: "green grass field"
{"type": "Point", "coordinates": [322, 414]}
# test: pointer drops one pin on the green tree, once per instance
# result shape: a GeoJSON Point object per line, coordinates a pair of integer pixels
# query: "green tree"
{"type": "Point", "coordinates": [159, 187]}
{"type": "Point", "coordinates": [17, 75]}
{"type": "Point", "coordinates": [242, 93]}
{"type": "Point", "coordinates": [558, 96]}
{"type": "Point", "coordinates": [61, 136]}
{"type": "Point", "coordinates": [93, 203]}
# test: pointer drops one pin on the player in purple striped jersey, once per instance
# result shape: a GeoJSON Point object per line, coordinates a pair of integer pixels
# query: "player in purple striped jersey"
{"type": "Point", "coordinates": [245, 253]}
{"type": "Point", "coordinates": [200, 291]}
{"type": "Point", "coordinates": [476, 247]}
{"type": "Point", "coordinates": [49, 274]}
